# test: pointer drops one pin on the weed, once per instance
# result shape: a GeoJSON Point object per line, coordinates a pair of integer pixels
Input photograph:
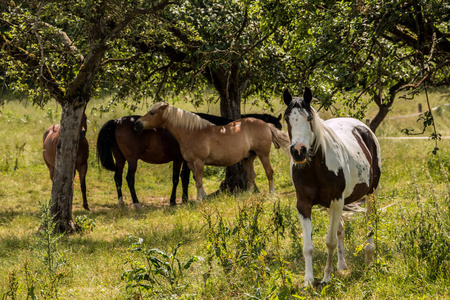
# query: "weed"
{"type": "Point", "coordinates": [33, 282]}
{"type": "Point", "coordinates": [149, 278]}
{"type": "Point", "coordinates": [426, 238]}
{"type": "Point", "coordinates": [84, 223]}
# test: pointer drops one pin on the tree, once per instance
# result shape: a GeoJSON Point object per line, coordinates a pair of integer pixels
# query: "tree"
{"type": "Point", "coordinates": [374, 48]}
{"type": "Point", "coordinates": [56, 49]}
{"type": "Point", "coordinates": [231, 46]}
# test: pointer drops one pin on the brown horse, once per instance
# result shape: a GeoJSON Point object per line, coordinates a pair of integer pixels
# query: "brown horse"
{"type": "Point", "coordinates": [202, 142]}
{"type": "Point", "coordinates": [117, 140]}
{"type": "Point", "coordinates": [50, 141]}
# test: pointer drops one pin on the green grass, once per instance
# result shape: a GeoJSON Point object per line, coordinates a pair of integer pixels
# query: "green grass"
{"type": "Point", "coordinates": [413, 202]}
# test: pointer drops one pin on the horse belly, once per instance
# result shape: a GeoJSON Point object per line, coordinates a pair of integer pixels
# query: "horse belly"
{"type": "Point", "coordinates": [225, 157]}
{"type": "Point", "coordinates": [227, 150]}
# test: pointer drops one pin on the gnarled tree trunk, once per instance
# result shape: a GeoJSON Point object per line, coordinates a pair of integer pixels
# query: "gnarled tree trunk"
{"type": "Point", "coordinates": [66, 149]}
{"type": "Point", "coordinates": [230, 87]}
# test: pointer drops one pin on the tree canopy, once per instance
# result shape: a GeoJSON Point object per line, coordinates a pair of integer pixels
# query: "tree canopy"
{"type": "Point", "coordinates": [73, 50]}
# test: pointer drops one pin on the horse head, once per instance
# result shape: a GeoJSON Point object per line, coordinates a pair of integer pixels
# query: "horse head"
{"type": "Point", "coordinates": [152, 119]}
{"type": "Point", "coordinates": [299, 118]}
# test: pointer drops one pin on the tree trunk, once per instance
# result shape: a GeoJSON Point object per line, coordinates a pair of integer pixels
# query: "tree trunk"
{"type": "Point", "coordinates": [384, 105]}
{"type": "Point", "coordinates": [66, 152]}
{"type": "Point", "coordinates": [230, 107]}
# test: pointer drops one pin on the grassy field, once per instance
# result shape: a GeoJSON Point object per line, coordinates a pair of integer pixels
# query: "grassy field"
{"type": "Point", "coordinates": [241, 247]}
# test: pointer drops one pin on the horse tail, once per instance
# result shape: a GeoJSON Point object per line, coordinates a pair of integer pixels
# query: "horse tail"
{"type": "Point", "coordinates": [280, 139]}
{"type": "Point", "coordinates": [105, 143]}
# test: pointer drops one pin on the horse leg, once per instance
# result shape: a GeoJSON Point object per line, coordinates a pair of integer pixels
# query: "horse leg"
{"type": "Point", "coordinates": [308, 247]}
{"type": "Point", "coordinates": [82, 170]}
{"type": "Point", "coordinates": [250, 170]}
{"type": "Point", "coordinates": [132, 167]}
{"type": "Point", "coordinates": [185, 172]}
{"type": "Point", "coordinates": [197, 168]}
{"type": "Point", "coordinates": [269, 171]}
{"type": "Point", "coordinates": [335, 210]}
{"type": "Point", "coordinates": [341, 264]}
{"type": "Point", "coordinates": [118, 180]}
{"type": "Point", "coordinates": [176, 166]}
{"type": "Point", "coordinates": [369, 247]}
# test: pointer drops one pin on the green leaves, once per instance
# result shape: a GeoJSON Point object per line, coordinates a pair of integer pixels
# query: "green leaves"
{"type": "Point", "coordinates": [159, 265]}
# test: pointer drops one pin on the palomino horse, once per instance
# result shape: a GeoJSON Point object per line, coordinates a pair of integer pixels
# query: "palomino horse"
{"type": "Point", "coordinates": [50, 141]}
{"type": "Point", "coordinates": [333, 163]}
{"type": "Point", "coordinates": [118, 143]}
{"type": "Point", "coordinates": [202, 142]}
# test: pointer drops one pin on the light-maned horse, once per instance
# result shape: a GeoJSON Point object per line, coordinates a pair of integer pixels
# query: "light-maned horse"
{"type": "Point", "coordinates": [50, 140]}
{"type": "Point", "coordinates": [333, 163]}
{"type": "Point", "coordinates": [118, 143]}
{"type": "Point", "coordinates": [203, 143]}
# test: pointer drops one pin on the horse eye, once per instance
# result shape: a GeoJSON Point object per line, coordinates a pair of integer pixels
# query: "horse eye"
{"type": "Point", "coordinates": [151, 113]}
{"type": "Point", "coordinates": [286, 118]}
{"type": "Point", "coordinates": [309, 118]}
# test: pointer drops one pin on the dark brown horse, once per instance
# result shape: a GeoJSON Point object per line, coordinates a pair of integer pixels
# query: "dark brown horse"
{"type": "Point", "coordinates": [118, 140]}
{"type": "Point", "coordinates": [50, 141]}
{"type": "Point", "coordinates": [333, 163]}
{"type": "Point", "coordinates": [202, 142]}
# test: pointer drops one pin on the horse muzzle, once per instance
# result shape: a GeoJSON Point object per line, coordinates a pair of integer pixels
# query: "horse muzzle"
{"type": "Point", "coordinates": [138, 126]}
{"type": "Point", "coordinates": [299, 153]}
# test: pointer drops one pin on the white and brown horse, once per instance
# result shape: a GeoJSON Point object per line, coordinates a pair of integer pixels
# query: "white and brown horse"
{"type": "Point", "coordinates": [203, 143]}
{"type": "Point", "coordinates": [333, 163]}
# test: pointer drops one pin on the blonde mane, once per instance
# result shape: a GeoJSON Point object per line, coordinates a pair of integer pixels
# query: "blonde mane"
{"type": "Point", "coordinates": [324, 135]}
{"type": "Point", "coordinates": [181, 118]}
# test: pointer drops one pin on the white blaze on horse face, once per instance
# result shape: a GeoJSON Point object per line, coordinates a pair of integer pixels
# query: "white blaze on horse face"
{"type": "Point", "coordinates": [301, 132]}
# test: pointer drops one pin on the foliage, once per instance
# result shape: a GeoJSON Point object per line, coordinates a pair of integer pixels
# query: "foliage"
{"type": "Point", "coordinates": [425, 237]}
{"type": "Point", "coordinates": [144, 277]}
{"type": "Point", "coordinates": [85, 223]}
{"type": "Point", "coordinates": [42, 281]}
{"type": "Point", "coordinates": [241, 248]}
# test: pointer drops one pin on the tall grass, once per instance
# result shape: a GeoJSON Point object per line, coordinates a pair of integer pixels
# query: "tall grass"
{"type": "Point", "coordinates": [251, 243]}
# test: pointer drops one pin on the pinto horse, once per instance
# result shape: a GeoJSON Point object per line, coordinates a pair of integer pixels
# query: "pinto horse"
{"type": "Point", "coordinates": [118, 143]}
{"type": "Point", "coordinates": [333, 163]}
{"type": "Point", "coordinates": [202, 142]}
{"type": "Point", "coordinates": [50, 140]}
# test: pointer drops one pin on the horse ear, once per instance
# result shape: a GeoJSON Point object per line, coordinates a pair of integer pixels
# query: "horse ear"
{"type": "Point", "coordinates": [307, 96]}
{"type": "Point", "coordinates": [164, 106]}
{"type": "Point", "coordinates": [287, 97]}
{"type": "Point", "coordinates": [279, 117]}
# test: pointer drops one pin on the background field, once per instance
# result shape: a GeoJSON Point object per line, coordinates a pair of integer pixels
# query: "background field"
{"type": "Point", "coordinates": [412, 222]}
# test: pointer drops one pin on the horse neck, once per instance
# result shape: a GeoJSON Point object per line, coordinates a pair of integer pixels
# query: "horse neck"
{"type": "Point", "coordinates": [177, 122]}
{"type": "Point", "coordinates": [324, 135]}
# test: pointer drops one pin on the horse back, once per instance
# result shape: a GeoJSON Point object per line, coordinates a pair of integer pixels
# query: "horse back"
{"type": "Point", "coordinates": [363, 156]}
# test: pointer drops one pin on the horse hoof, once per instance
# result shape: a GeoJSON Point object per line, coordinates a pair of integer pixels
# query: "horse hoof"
{"type": "Point", "coordinates": [86, 208]}
{"type": "Point", "coordinates": [137, 206]}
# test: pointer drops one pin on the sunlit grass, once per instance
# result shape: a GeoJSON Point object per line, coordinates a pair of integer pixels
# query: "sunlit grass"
{"type": "Point", "coordinates": [95, 260]}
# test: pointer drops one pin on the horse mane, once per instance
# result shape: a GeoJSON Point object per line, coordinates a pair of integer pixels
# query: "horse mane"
{"type": "Point", "coordinates": [185, 119]}
{"type": "Point", "coordinates": [324, 135]}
